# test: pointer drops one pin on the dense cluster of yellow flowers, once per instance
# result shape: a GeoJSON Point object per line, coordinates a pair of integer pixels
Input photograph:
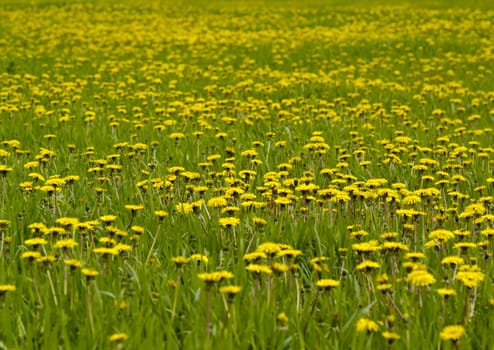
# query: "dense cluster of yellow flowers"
{"type": "Point", "coordinates": [179, 146]}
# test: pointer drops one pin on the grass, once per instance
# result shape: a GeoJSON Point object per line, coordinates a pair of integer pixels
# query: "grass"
{"type": "Point", "coordinates": [331, 166]}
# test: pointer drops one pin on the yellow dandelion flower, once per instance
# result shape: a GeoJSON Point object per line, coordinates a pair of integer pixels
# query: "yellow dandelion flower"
{"type": "Point", "coordinates": [488, 232]}
{"type": "Point", "coordinates": [359, 234]}
{"type": "Point", "coordinates": [282, 318]}
{"type": "Point", "coordinates": [134, 208]}
{"type": "Point", "coordinates": [90, 273]}
{"type": "Point", "coordinates": [107, 241]}
{"type": "Point", "coordinates": [452, 332]}
{"type": "Point", "coordinates": [73, 263]}
{"type": "Point", "coordinates": [420, 278]}
{"type": "Point", "coordinates": [217, 202]}
{"type": "Point", "coordinates": [259, 221]}
{"type": "Point", "coordinates": [230, 290]}
{"type": "Point", "coordinates": [4, 288]}
{"type": "Point", "coordinates": [470, 276]}
{"type": "Point", "coordinates": [366, 247]}
{"type": "Point", "coordinates": [35, 242]}
{"type": "Point", "coordinates": [120, 247]}
{"type": "Point", "coordinates": [394, 247]}
{"type": "Point", "coordinates": [410, 213]}
{"type": "Point", "coordinates": [367, 325]}
{"type": "Point", "coordinates": [4, 169]}
{"type": "Point", "coordinates": [175, 169]}
{"type": "Point", "coordinates": [283, 201]}
{"type": "Point", "coordinates": [319, 259]}
{"type": "Point", "coordinates": [189, 175]}
{"type": "Point", "coordinates": [382, 278]}
{"type": "Point", "coordinates": [230, 210]}
{"type": "Point", "coordinates": [55, 231]}
{"type": "Point", "coordinates": [185, 208]}
{"type": "Point", "coordinates": [47, 259]}
{"type": "Point", "coordinates": [30, 255]}
{"type": "Point", "coordinates": [390, 336]}
{"type": "Point", "coordinates": [368, 265]}
{"type": "Point", "coordinates": [65, 243]}
{"type": "Point", "coordinates": [139, 230]}
{"type": "Point", "coordinates": [161, 214]}
{"type": "Point", "coordinates": [48, 189]}
{"type": "Point", "coordinates": [259, 269]}
{"type": "Point", "coordinates": [118, 337]}
{"type": "Point", "coordinates": [55, 182]}
{"type": "Point", "coordinates": [31, 165]}
{"type": "Point", "coordinates": [180, 260]}
{"type": "Point", "coordinates": [441, 235]}
{"type": "Point", "coordinates": [67, 222]}
{"type": "Point", "coordinates": [107, 219]}
{"type": "Point", "coordinates": [71, 179]}
{"type": "Point", "coordinates": [254, 256]}
{"type": "Point", "coordinates": [214, 277]}
{"type": "Point", "coordinates": [103, 251]}
{"type": "Point", "coordinates": [115, 231]}
{"type": "Point", "coordinates": [229, 221]}
{"type": "Point", "coordinates": [453, 260]}
{"type": "Point", "coordinates": [199, 258]}
{"type": "Point", "coordinates": [269, 248]}
{"type": "Point", "coordinates": [411, 200]}
{"type": "Point", "coordinates": [280, 268]}
{"type": "Point", "coordinates": [176, 136]}
{"type": "Point", "coordinates": [464, 245]}
{"type": "Point", "coordinates": [384, 287]}
{"type": "Point", "coordinates": [446, 292]}
{"type": "Point", "coordinates": [289, 253]}
{"type": "Point", "coordinates": [327, 283]}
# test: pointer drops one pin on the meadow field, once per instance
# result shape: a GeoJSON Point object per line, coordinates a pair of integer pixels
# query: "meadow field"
{"type": "Point", "coordinates": [246, 175]}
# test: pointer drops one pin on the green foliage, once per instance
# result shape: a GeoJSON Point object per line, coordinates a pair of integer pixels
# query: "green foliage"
{"type": "Point", "coordinates": [329, 163]}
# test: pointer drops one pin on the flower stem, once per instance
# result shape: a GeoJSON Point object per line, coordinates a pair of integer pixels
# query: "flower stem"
{"type": "Point", "coordinates": [35, 285]}
{"type": "Point", "coordinates": [313, 307]}
{"type": "Point", "coordinates": [208, 310]}
{"type": "Point", "coordinates": [90, 309]}
{"type": "Point", "coordinates": [52, 287]}
{"type": "Point", "coordinates": [175, 297]}
{"type": "Point", "coordinates": [155, 238]}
